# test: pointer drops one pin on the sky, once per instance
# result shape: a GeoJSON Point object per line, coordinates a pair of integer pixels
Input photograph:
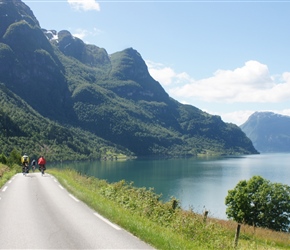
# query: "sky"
{"type": "Point", "coordinates": [227, 58]}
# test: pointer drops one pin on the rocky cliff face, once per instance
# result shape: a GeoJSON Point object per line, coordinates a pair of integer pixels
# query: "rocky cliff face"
{"type": "Point", "coordinates": [13, 11]}
{"type": "Point", "coordinates": [268, 131]}
{"type": "Point", "coordinates": [69, 45]}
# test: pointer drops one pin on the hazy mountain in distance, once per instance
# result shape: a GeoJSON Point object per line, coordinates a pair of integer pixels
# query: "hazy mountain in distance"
{"type": "Point", "coordinates": [268, 131]}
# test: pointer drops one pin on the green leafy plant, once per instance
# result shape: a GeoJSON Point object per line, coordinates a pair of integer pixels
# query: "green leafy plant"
{"type": "Point", "coordinates": [260, 203]}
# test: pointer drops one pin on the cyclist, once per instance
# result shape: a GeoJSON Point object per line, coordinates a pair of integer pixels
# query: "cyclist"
{"type": "Point", "coordinates": [41, 162]}
{"type": "Point", "coordinates": [33, 163]}
{"type": "Point", "coordinates": [25, 163]}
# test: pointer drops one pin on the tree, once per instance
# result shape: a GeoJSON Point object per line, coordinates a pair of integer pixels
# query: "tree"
{"type": "Point", "coordinates": [3, 159]}
{"type": "Point", "coordinates": [258, 202]}
{"type": "Point", "coordinates": [14, 157]}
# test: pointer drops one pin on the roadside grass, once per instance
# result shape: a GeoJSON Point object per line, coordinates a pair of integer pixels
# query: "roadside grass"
{"type": "Point", "coordinates": [258, 235]}
{"type": "Point", "coordinates": [163, 225]}
{"type": "Point", "coordinates": [6, 173]}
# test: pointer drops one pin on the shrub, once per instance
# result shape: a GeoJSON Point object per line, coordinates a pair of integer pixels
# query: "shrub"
{"type": "Point", "coordinates": [258, 202]}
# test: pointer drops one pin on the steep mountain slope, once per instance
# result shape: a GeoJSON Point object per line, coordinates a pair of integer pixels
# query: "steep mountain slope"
{"type": "Point", "coordinates": [24, 129]}
{"type": "Point", "coordinates": [112, 96]}
{"type": "Point", "coordinates": [30, 67]}
{"type": "Point", "coordinates": [268, 131]}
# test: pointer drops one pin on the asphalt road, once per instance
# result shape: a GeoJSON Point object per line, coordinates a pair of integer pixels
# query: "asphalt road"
{"type": "Point", "coordinates": [36, 212]}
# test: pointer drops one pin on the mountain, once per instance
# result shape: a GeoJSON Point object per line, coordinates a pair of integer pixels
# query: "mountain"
{"type": "Point", "coordinates": [112, 97]}
{"type": "Point", "coordinates": [24, 129]}
{"type": "Point", "coordinates": [268, 131]}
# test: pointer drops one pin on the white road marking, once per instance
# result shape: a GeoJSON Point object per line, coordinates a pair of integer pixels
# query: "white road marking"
{"type": "Point", "coordinates": [73, 197]}
{"type": "Point", "coordinates": [61, 186]}
{"type": "Point", "coordinates": [9, 181]}
{"type": "Point", "coordinates": [4, 189]}
{"type": "Point", "coordinates": [107, 221]}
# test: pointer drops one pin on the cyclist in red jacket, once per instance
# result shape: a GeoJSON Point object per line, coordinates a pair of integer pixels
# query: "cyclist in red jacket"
{"type": "Point", "coordinates": [41, 162]}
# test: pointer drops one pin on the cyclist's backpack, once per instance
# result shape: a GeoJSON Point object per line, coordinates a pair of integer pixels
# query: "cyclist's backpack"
{"type": "Point", "coordinates": [25, 159]}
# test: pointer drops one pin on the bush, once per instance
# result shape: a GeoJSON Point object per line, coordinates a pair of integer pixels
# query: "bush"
{"type": "Point", "coordinates": [3, 159]}
{"type": "Point", "coordinates": [258, 202]}
{"type": "Point", "coordinates": [14, 157]}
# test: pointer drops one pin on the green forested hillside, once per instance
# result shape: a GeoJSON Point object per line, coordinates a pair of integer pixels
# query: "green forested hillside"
{"type": "Point", "coordinates": [25, 130]}
{"type": "Point", "coordinates": [74, 85]}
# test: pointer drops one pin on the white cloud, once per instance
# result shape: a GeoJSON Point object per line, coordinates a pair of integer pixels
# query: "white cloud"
{"type": "Point", "coordinates": [80, 33]}
{"type": "Point", "coordinates": [250, 83]}
{"type": "Point", "coordinates": [83, 33]}
{"type": "Point", "coordinates": [237, 117]}
{"type": "Point", "coordinates": [84, 5]}
{"type": "Point", "coordinates": [227, 92]}
{"type": "Point", "coordinates": [283, 112]}
{"type": "Point", "coordinates": [166, 76]}
{"type": "Point", "coordinates": [160, 73]}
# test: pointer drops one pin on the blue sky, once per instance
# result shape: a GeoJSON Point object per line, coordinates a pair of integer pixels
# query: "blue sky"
{"type": "Point", "coordinates": [229, 58]}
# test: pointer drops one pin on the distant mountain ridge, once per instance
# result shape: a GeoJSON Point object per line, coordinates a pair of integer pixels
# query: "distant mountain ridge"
{"type": "Point", "coordinates": [111, 96]}
{"type": "Point", "coordinates": [268, 131]}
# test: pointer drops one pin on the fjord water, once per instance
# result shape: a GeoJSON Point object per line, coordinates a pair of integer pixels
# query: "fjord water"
{"type": "Point", "coordinates": [199, 184]}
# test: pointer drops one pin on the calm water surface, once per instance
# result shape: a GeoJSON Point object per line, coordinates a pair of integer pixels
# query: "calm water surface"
{"type": "Point", "coordinates": [198, 184]}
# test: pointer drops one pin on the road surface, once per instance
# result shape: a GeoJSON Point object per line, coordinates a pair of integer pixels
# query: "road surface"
{"type": "Point", "coordinates": [36, 212]}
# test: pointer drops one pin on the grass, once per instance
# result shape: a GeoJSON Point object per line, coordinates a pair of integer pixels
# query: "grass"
{"type": "Point", "coordinates": [6, 173]}
{"type": "Point", "coordinates": [162, 225]}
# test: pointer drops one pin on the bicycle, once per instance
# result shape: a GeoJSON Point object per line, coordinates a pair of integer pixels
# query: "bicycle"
{"type": "Point", "coordinates": [25, 169]}
{"type": "Point", "coordinates": [42, 168]}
